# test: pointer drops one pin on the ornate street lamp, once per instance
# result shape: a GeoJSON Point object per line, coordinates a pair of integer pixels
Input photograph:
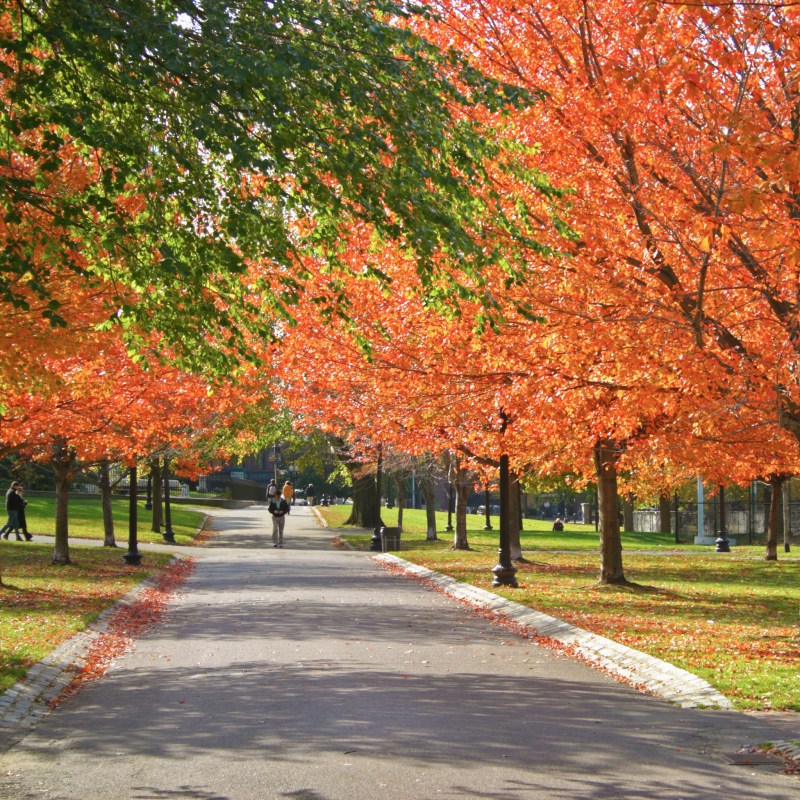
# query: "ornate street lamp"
{"type": "Point", "coordinates": [133, 557]}
{"type": "Point", "coordinates": [168, 535]}
{"type": "Point", "coordinates": [449, 527]}
{"type": "Point", "coordinates": [505, 572]}
{"type": "Point", "coordinates": [375, 544]}
{"type": "Point", "coordinates": [487, 511]}
{"type": "Point", "coordinates": [787, 516]}
{"type": "Point", "coordinates": [721, 542]}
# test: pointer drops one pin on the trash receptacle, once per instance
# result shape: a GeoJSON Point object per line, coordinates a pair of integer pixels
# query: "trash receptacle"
{"type": "Point", "coordinates": [390, 539]}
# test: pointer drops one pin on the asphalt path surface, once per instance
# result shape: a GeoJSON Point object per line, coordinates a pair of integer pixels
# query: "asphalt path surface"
{"type": "Point", "coordinates": [311, 673]}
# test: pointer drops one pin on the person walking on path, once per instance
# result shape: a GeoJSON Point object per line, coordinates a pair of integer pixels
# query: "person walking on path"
{"type": "Point", "coordinates": [279, 508]}
{"type": "Point", "coordinates": [310, 493]}
{"type": "Point", "coordinates": [288, 493]}
{"type": "Point", "coordinates": [23, 524]}
{"type": "Point", "coordinates": [13, 505]}
{"type": "Point", "coordinates": [272, 489]}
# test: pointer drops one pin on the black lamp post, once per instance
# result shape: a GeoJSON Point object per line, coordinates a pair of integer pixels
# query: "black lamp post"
{"type": "Point", "coordinates": [677, 531]}
{"type": "Point", "coordinates": [133, 557]}
{"type": "Point", "coordinates": [505, 571]}
{"type": "Point", "coordinates": [721, 542]}
{"type": "Point", "coordinates": [168, 535]}
{"type": "Point", "coordinates": [376, 545]}
{"type": "Point", "coordinates": [487, 511]}
{"type": "Point", "coordinates": [148, 503]}
{"type": "Point", "coordinates": [449, 527]}
{"type": "Point", "coordinates": [787, 519]}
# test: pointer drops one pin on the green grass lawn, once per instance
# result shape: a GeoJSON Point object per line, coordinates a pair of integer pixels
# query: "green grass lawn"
{"type": "Point", "coordinates": [730, 618]}
{"type": "Point", "coordinates": [538, 534]}
{"type": "Point", "coordinates": [86, 520]}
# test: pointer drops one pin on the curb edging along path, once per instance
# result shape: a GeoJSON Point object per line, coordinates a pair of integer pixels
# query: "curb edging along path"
{"type": "Point", "coordinates": [657, 677]}
{"type": "Point", "coordinates": [28, 700]}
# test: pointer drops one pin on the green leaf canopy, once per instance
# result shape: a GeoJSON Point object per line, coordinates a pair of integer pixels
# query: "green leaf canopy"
{"type": "Point", "coordinates": [338, 112]}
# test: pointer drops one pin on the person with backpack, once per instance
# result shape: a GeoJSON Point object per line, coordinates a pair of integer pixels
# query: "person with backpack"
{"type": "Point", "coordinates": [288, 493]}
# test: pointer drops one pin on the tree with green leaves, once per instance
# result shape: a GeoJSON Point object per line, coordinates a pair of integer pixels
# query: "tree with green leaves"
{"type": "Point", "coordinates": [220, 144]}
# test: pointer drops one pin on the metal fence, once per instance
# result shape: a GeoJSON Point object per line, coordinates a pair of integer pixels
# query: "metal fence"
{"type": "Point", "coordinates": [744, 521]}
{"type": "Point", "coordinates": [211, 487]}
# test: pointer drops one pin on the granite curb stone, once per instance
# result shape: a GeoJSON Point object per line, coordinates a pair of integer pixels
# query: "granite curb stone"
{"type": "Point", "coordinates": [657, 677]}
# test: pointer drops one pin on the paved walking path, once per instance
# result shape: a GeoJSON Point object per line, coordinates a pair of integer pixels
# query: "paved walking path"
{"type": "Point", "coordinates": [312, 673]}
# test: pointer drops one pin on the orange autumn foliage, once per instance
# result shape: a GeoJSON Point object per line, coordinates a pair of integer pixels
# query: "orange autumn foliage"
{"type": "Point", "coordinates": [670, 328]}
{"type": "Point", "coordinates": [676, 127]}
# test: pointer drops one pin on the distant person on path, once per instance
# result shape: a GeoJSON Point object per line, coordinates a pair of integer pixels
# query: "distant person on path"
{"type": "Point", "coordinates": [13, 504]}
{"type": "Point", "coordinates": [279, 508]}
{"type": "Point", "coordinates": [310, 493]}
{"type": "Point", "coordinates": [558, 525]}
{"type": "Point", "coordinates": [288, 493]}
{"type": "Point", "coordinates": [23, 524]}
{"type": "Point", "coordinates": [272, 489]}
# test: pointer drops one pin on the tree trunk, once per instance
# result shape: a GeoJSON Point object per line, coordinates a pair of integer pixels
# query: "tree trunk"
{"type": "Point", "coordinates": [515, 517]}
{"type": "Point", "coordinates": [428, 493]}
{"type": "Point", "coordinates": [606, 456]}
{"type": "Point", "coordinates": [627, 513]}
{"type": "Point", "coordinates": [461, 485]}
{"type": "Point", "coordinates": [664, 514]}
{"type": "Point", "coordinates": [109, 539]}
{"type": "Point", "coordinates": [775, 516]}
{"type": "Point", "coordinates": [157, 495]}
{"type": "Point", "coordinates": [63, 462]}
{"type": "Point", "coordinates": [363, 512]}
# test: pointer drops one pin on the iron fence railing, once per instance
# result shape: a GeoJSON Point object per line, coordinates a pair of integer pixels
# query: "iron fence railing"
{"type": "Point", "coordinates": [745, 521]}
{"type": "Point", "coordinates": [207, 487]}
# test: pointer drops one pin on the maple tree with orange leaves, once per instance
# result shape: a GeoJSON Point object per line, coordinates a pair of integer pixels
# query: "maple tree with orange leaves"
{"type": "Point", "coordinates": [101, 404]}
{"type": "Point", "coordinates": [675, 126]}
{"type": "Point", "coordinates": [671, 322]}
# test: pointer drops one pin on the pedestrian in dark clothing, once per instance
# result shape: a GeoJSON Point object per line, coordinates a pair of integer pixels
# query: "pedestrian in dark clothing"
{"type": "Point", "coordinates": [279, 508]}
{"type": "Point", "coordinates": [310, 492]}
{"type": "Point", "coordinates": [13, 504]}
{"type": "Point", "coordinates": [23, 524]}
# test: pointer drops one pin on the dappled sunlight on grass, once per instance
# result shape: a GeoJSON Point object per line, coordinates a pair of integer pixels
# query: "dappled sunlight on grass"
{"type": "Point", "coordinates": [731, 621]}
